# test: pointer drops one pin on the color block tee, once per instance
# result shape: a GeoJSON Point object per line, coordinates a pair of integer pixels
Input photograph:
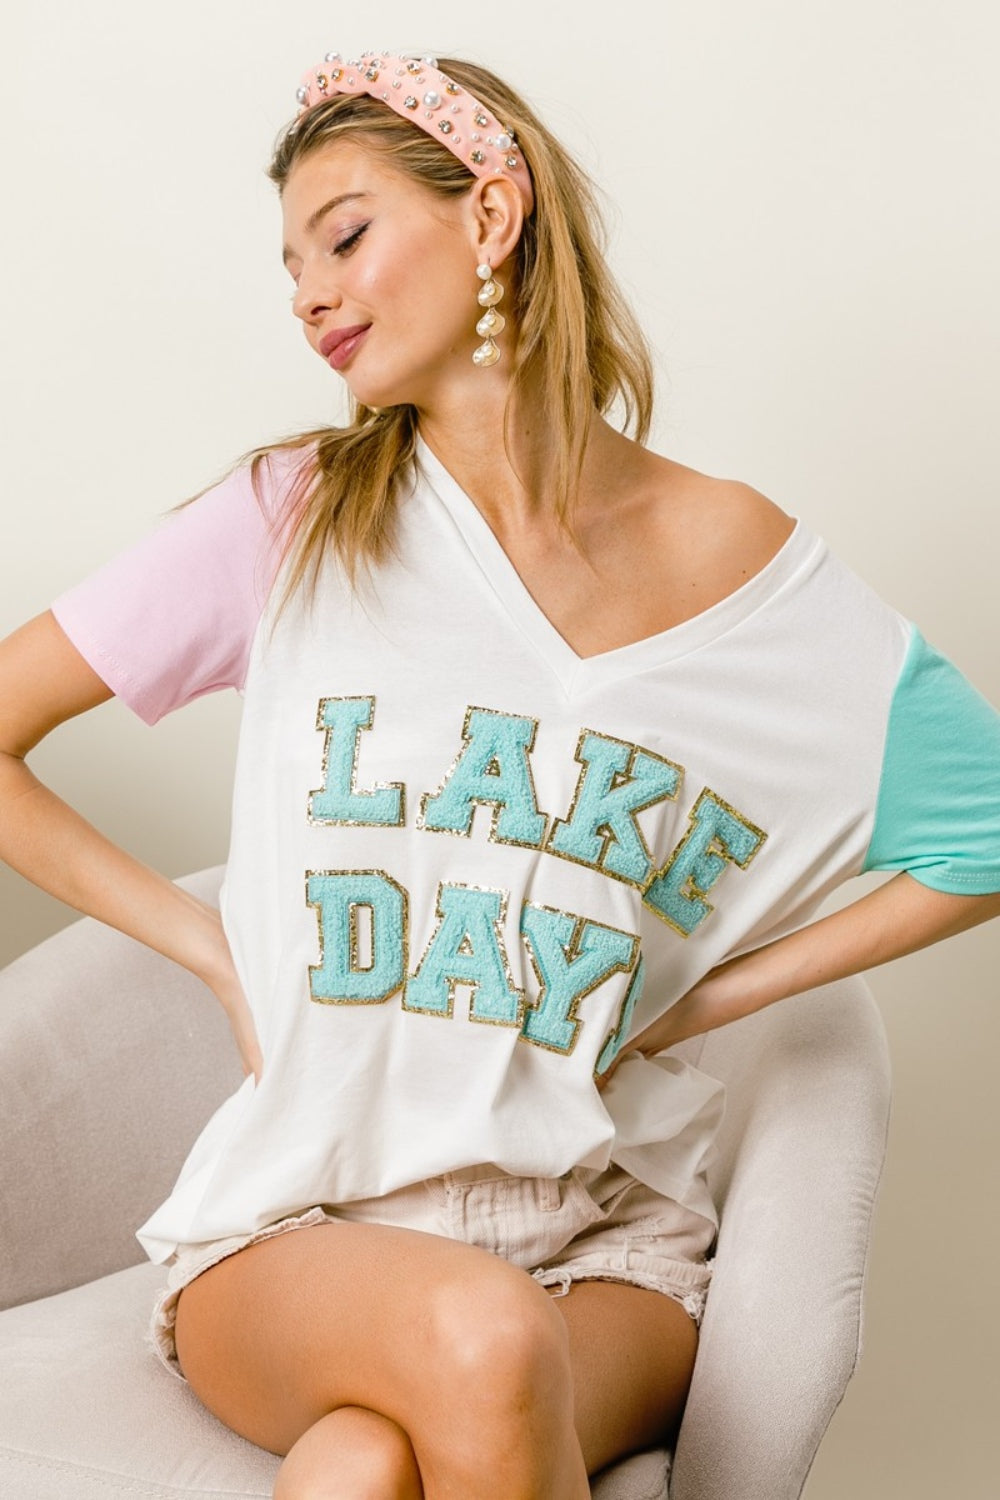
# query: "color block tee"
{"type": "Point", "coordinates": [467, 864]}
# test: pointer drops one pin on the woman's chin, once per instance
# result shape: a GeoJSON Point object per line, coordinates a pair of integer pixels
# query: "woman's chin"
{"type": "Point", "coordinates": [372, 394]}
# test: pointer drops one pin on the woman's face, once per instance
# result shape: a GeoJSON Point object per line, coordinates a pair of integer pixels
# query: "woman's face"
{"type": "Point", "coordinates": [370, 249]}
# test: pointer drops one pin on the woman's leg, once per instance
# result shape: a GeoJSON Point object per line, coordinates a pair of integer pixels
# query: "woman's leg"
{"type": "Point", "coordinates": [630, 1357]}
{"type": "Point", "coordinates": [462, 1352]}
{"type": "Point", "coordinates": [354, 1453]}
{"type": "Point", "coordinates": [632, 1353]}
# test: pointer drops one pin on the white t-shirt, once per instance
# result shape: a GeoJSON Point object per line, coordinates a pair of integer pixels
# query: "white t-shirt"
{"type": "Point", "coordinates": [467, 864]}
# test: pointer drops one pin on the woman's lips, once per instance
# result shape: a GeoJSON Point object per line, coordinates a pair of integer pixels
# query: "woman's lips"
{"type": "Point", "coordinates": [338, 347]}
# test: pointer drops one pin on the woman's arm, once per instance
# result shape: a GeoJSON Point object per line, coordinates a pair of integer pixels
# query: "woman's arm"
{"type": "Point", "coordinates": [897, 918]}
{"type": "Point", "coordinates": [43, 682]}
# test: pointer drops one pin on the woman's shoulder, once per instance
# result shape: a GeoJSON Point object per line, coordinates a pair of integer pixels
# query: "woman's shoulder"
{"type": "Point", "coordinates": [721, 531]}
{"type": "Point", "coordinates": [678, 491]}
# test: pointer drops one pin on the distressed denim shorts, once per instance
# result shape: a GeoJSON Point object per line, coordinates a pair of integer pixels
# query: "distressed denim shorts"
{"type": "Point", "coordinates": [587, 1225]}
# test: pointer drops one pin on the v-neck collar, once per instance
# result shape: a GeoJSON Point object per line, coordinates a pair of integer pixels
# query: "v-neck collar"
{"type": "Point", "coordinates": [801, 550]}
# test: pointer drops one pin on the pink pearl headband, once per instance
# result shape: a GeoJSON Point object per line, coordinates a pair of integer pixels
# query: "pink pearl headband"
{"type": "Point", "coordinates": [418, 91]}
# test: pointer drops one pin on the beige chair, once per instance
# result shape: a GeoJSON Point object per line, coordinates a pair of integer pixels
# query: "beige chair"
{"type": "Point", "coordinates": [110, 1061]}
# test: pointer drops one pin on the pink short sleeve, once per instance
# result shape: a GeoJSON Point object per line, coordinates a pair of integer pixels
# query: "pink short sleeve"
{"type": "Point", "coordinates": [174, 616]}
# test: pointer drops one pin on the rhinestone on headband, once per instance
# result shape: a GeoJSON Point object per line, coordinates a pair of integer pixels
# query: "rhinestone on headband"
{"type": "Point", "coordinates": [416, 89]}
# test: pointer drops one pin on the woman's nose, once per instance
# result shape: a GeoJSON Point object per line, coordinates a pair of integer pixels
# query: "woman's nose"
{"type": "Point", "coordinates": [314, 296]}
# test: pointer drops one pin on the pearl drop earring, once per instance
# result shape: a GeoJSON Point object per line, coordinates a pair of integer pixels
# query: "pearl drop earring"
{"type": "Point", "coordinates": [492, 322]}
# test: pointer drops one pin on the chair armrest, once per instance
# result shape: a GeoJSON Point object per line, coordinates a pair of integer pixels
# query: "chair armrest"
{"type": "Point", "coordinates": [111, 1060]}
{"type": "Point", "coordinates": [799, 1162]}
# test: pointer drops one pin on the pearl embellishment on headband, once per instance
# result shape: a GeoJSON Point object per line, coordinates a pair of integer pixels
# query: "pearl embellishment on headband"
{"type": "Point", "coordinates": [497, 156]}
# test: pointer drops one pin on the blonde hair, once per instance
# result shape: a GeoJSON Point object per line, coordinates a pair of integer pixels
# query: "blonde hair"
{"type": "Point", "coordinates": [577, 338]}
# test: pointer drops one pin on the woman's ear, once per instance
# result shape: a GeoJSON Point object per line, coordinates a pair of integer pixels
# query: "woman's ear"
{"type": "Point", "coordinates": [497, 215]}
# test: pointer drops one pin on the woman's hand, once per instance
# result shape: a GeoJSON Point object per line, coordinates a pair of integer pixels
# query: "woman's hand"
{"type": "Point", "coordinates": [898, 917]}
{"type": "Point", "coordinates": [218, 971]}
{"type": "Point", "coordinates": [692, 1014]}
{"type": "Point", "coordinates": [234, 1003]}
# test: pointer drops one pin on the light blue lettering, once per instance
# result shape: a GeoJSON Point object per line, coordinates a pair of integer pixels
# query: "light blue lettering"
{"type": "Point", "coordinates": [467, 947]}
{"type": "Point", "coordinates": [339, 800]}
{"type": "Point", "coordinates": [718, 836]}
{"type": "Point", "coordinates": [618, 780]}
{"type": "Point", "coordinates": [616, 1040]}
{"type": "Point", "coordinates": [492, 768]}
{"type": "Point", "coordinates": [345, 974]}
{"type": "Point", "coordinates": [571, 957]}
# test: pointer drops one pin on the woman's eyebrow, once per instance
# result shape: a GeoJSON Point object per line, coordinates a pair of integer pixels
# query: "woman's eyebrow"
{"type": "Point", "coordinates": [314, 218]}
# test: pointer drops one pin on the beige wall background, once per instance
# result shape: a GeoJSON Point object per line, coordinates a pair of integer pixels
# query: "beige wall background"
{"type": "Point", "coordinates": [803, 209]}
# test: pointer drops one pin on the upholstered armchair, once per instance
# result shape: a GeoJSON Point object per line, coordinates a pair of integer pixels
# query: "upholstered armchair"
{"type": "Point", "coordinates": [112, 1058]}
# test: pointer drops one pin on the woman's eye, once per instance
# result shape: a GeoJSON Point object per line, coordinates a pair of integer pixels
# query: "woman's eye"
{"type": "Point", "coordinates": [346, 246]}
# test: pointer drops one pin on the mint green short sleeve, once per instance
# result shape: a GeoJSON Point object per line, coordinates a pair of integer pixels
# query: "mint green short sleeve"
{"type": "Point", "coordinates": [938, 809]}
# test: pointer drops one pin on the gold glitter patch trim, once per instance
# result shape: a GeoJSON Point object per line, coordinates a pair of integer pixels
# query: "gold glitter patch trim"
{"type": "Point", "coordinates": [571, 950]}
{"type": "Point", "coordinates": [689, 890]}
{"type": "Point", "coordinates": [317, 908]}
{"type": "Point", "coordinates": [498, 808]}
{"type": "Point", "coordinates": [380, 786]}
{"type": "Point", "coordinates": [619, 779]}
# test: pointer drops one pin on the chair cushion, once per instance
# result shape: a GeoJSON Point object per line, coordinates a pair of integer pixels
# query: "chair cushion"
{"type": "Point", "coordinates": [88, 1413]}
{"type": "Point", "coordinates": [111, 1060]}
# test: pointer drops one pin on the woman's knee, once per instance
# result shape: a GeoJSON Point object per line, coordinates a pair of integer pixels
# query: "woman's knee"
{"type": "Point", "coordinates": [350, 1454]}
{"type": "Point", "coordinates": [500, 1338]}
{"type": "Point", "coordinates": [501, 1358]}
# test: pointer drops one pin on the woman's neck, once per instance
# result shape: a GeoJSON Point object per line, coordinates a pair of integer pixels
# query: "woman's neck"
{"type": "Point", "coordinates": [516, 491]}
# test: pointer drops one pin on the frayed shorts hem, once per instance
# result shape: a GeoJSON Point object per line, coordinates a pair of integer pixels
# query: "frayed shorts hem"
{"type": "Point", "coordinates": [585, 1226]}
{"type": "Point", "coordinates": [692, 1301]}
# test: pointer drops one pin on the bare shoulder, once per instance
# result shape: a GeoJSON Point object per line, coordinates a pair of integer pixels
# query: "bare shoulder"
{"type": "Point", "coordinates": [692, 538]}
{"type": "Point", "coordinates": [721, 500]}
{"type": "Point", "coordinates": [721, 525]}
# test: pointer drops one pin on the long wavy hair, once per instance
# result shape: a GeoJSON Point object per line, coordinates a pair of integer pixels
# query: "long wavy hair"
{"type": "Point", "coordinates": [577, 340]}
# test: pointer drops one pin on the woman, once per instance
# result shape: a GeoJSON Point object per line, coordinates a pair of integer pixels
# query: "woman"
{"type": "Point", "coordinates": [551, 749]}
